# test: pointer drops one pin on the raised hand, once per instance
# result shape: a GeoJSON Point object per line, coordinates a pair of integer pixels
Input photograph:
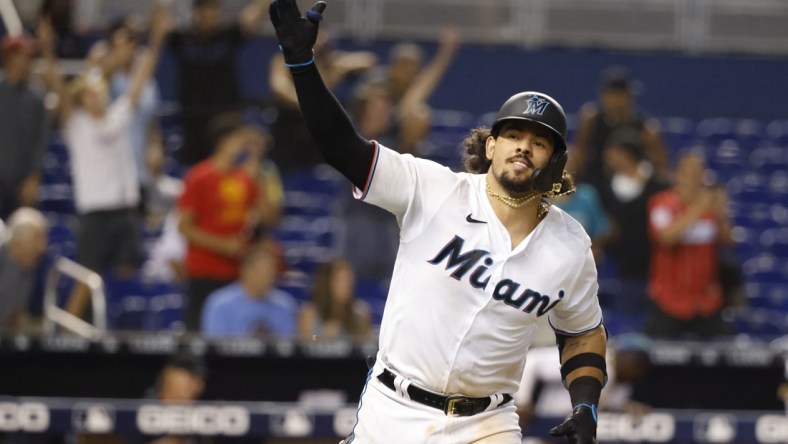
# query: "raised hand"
{"type": "Point", "coordinates": [162, 24]}
{"type": "Point", "coordinates": [46, 36]}
{"type": "Point", "coordinates": [297, 34]}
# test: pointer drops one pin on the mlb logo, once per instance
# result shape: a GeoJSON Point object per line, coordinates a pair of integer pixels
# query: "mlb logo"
{"type": "Point", "coordinates": [292, 423]}
{"type": "Point", "coordinates": [93, 418]}
{"type": "Point", "coordinates": [715, 428]}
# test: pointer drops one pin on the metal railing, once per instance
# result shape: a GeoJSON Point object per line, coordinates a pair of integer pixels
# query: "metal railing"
{"type": "Point", "coordinates": [693, 26]}
{"type": "Point", "coordinates": [55, 316]}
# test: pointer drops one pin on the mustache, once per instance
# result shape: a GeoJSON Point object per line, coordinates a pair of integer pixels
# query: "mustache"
{"type": "Point", "coordinates": [522, 159]}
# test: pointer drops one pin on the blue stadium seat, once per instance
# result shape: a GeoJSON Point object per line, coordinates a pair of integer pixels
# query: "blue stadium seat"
{"type": "Point", "coordinates": [759, 322]}
{"type": "Point", "coordinates": [766, 269]}
{"type": "Point", "coordinates": [444, 147]}
{"type": "Point", "coordinates": [769, 159]}
{"type": "Point", "coordinates": [164, 310]}
{"type": "Point", "coordinates": [308, 230]}
{"type": "Point", "coordinates": [444, 141]}
{"type": "Point", "coordinates": [452, 119]}
{"type": "Point", "coordinates": [777, 131]}
{"type": "Point", "coordinates": [133, 304]}
{"type": "Point", "coordinates": [56, 194]}
{"type": "Point", "coordinates": [778, 184]}
{"type": "Point", "coordinates": [747, 132]}
{"type": "Point", "coordinates": [677, 133]}
{"type": "Point", "coordinates": [746, 185]}
{"type": "Point", "coordinates": [746, 240]}
{"type": "Point", "coordinates": [725, 157]}
{"type": "Point", "coordinates": [62, 235]}
{"type": "Point", "coordinates": [486, 119]}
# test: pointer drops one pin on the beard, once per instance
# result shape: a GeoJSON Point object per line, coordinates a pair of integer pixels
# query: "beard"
{"type": "Point", "coordinates": [512, 185]}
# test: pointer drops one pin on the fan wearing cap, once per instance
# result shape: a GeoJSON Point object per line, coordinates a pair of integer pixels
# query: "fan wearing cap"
{"type": "Point", "coordinates": [616, 110]}
{"type": "Point", "coordinates": [23, 129]}
{"type": "Point", "coordinates": [482, 256]}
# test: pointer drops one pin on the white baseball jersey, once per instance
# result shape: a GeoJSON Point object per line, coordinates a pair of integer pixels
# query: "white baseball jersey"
{"type": "Point", "coordinates": [463, 305]}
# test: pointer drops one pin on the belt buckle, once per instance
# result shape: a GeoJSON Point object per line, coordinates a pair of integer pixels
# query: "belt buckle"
{"type": "Point", "coordinates": [458, 406]}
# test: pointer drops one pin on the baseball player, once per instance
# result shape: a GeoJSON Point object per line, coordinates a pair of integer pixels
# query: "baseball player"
{"type": "Point", "coordinates": [482, 256]}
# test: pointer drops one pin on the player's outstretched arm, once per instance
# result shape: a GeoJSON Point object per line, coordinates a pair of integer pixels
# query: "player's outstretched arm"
{"type": "Point", "coordinates": [584, 373]}
{"type": "Point", "coordinates": [328, 123]}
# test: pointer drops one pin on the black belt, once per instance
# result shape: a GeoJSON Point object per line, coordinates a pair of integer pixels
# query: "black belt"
{"type": "Point", "coordinates": [451, 405]}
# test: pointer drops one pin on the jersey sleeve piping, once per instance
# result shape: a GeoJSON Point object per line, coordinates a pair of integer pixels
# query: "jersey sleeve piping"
{"type": "Point", "coordinates": [361, 194]}
{"type": "Point", "coordinates": [580, 333]}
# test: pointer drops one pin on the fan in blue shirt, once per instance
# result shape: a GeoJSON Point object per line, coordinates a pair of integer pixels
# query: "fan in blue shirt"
{"type": "Point", "coordinates": [251, 306]}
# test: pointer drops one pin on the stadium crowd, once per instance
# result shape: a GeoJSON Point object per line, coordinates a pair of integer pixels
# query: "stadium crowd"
{"type": "Point", "coordinates": [223, 213]}
{"type": "Point", "coordinates": [216, 217]}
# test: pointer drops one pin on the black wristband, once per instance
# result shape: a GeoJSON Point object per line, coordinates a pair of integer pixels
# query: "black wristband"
{"type": "Point", "coordinates": [583, 360]}
{"type": "Point", "coordinates": [585, 390]}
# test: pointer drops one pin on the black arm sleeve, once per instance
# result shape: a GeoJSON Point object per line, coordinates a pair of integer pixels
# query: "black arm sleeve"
{"type": "Point", "coordinates": [585, 390]}
{"type": "Point", "coordinates": [342, 146]}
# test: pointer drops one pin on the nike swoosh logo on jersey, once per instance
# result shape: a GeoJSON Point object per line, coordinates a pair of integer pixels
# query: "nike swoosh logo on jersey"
{"type": "Point", "coordinates": [468, 218]}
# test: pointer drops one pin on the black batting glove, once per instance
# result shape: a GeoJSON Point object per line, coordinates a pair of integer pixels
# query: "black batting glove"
{"type": "Point", "coordinates": [297, 34]}
{"type": "Point", "coordinates": [580, 428]}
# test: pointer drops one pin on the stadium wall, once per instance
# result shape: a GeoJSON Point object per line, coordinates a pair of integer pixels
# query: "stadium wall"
{"type": "Point", "coordinates": [695, 87]}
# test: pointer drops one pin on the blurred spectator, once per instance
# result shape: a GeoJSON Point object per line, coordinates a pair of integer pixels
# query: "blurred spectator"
{"type": "Point", "coordinates": [391, 103]}
{"type": "Point", "coordinates": [20, 255]}
{"type": "Point", "coordinates": [251, 306]}
{"type": "Point", "coordinates": [218, 212]}
{"type": "Point", "coordinates": [686, 225]}
{"type": "Point", "coordinates": [584, 205]}
{"type": "Point", "coordinates": [208, 83]}
{"type": "Point", "coordinates": [161, 191]}
{"type": "Point", "coordinates": [166, 260]}
{"type": "Point", "coordinates": [293, 146]}
{"type": "Point", "coordinates": [371, 234]}
{"type": "Point", "coordinates": [98, 135]}
{"type": "Point", "coordinates": [334, 312]}
{"type": "Point", "coordinates": [616, 110]}
{"type": "Point", "coordinates": [625, 196]}
{"type": "Point", "coordinates": [409, 83]}
{"type": "Point", "coordinates": [23, 128]}
{"type": "Point", "coordinates": [116, 58]}
{"type": "Point", "coordinates": [373, 110]}
{"type": "Point", "coordinates": [61, 14]}
{"type": "Point", "coordinates": [181, 380]}
{"type": "Point", "coordinates": [266, 175]}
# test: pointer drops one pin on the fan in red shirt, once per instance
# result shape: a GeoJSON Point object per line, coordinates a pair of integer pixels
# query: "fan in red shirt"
{"type": "Point", "coordinates": [686, 225]}
{"type": "Point", "coordinates": [217, 213]}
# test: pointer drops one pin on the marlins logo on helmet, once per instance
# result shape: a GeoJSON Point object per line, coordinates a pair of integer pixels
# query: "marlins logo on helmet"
{"type": "Point", "coordinates": [536, 105]}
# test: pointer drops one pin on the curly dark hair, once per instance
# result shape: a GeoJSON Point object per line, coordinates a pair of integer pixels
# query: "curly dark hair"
{"type": "Point", "coordinates": [474, 157]}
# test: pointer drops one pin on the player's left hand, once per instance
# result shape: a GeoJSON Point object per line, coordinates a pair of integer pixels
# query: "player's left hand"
{"type": "Point", "coordinates": [297, 35]}
{"type": "Point", "coordinates": [580, 427]}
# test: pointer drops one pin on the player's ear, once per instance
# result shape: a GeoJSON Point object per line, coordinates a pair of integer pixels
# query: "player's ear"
{"type": "Point", "coordinates": [489, 147]}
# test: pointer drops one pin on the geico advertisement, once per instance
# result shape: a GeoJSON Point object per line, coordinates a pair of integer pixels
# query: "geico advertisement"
{"type": "Point", "coordinates": [772, 429]}
{"type": "Point", "coordinates": [652, 427]}
{"type": "Point", "coordinates": [197, 420]}
{"type": "Point", "coordinates": [23, 417]}
{"type": "Point", "coordinates": [235, 420]}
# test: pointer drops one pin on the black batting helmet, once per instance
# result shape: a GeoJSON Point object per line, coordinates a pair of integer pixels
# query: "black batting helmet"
{"type": "Point", "coordinates": [544, 110]}
{"type": "Point", "coordinates": [535, 107]}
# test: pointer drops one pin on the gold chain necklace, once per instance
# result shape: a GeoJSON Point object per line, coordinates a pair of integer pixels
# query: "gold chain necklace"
{"type": "Point", "coordinates": [512, 202]}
